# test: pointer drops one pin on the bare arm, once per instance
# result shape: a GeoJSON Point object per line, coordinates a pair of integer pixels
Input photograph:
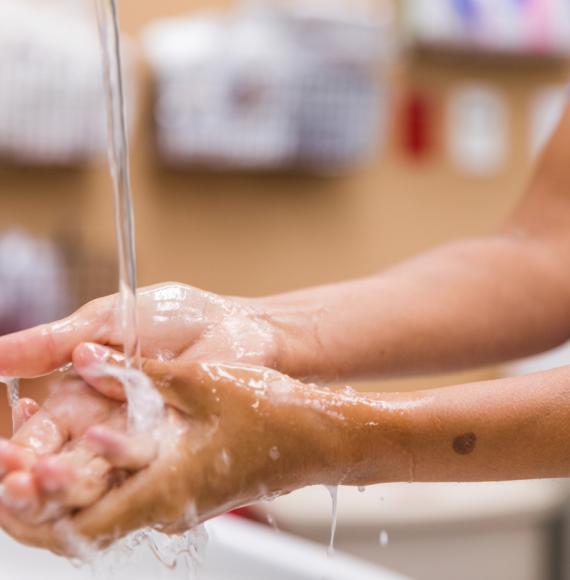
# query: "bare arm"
{"type": "Point", "coordinates": [516, 428]}
{"type": "Point", "coordinates": [469, 303]}
{"type": "Point", "coordinates": [233, 434]}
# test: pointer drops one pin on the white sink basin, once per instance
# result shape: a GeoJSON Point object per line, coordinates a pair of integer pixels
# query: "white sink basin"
{"type": "Point", "coordinates": [238, 550]}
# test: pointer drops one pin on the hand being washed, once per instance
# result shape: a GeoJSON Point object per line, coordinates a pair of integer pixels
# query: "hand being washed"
{"type": "Point", "coordinates": [230, 435]}
{"type": "Point", "coordinates": [175, 321]}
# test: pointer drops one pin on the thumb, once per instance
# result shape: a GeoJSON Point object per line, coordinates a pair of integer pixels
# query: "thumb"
{"type": "Point", "coordinates": [90, 361]}
{"type": "Point", "coordinates": [94, 364]}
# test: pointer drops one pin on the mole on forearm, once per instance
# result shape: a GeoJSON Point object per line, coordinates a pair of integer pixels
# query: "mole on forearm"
{"type": "Point", "coordinates": [465, 444]}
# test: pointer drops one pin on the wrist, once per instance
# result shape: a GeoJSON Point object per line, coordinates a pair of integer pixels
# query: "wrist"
{"type": "Point", "coordinates": [295, 323]}
{"type": "Point", "coordinates": [377, 437]}
{"type": "Point", "coordinates": [344, 438]}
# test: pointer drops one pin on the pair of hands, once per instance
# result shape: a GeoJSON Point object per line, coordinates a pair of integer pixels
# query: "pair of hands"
{"type": "Point", "coordinates": [232, 433]}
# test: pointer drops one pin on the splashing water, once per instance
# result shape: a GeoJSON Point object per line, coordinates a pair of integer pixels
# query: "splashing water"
{"type": "Point", "coordinates": [145, 405]}
{"type": "Point", "coordinates": [333, 490]}
{"type": "Point", "coordinates": [163, 553]}
{"type": "Point", "coordinates": [13, 391]}
{"type": "Point", "coordinates": [108, 21]}
{"type": "Point", "coordinates": [156, 551]}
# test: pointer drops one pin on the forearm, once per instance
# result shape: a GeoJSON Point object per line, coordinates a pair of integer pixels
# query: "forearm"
{"type": "Point", "coordinates": [467, 304]}
{"type": "Point", "coordinates": [517, 428]}
{"type": "Point", "coordinates": [470, 303]}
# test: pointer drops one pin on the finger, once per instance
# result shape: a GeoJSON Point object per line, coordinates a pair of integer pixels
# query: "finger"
{"type": "Point", "coordinates": [24, 411]}
{"type": "Point", "coordinates": [91, 361]}
{"type": "Point", "coordinates": [187, 386]}
{"type": "Point", "coordinates": [14, 458]}
{"type": "Point", "coordinates": [78, 476]}
{"type": "Point", "coordinates": [19, 494]}
{"type": "Point", "coordinates": [41, 434]}
{"type": "Point", "coordinates": [153, 496]}
{"type": "Point", "coordinates": [95, 363]}
{"type": "Point", "coordinates": [74, 407]}
{"type": "Point", "coordinates": [122, 451]}
{"type": "Point", "coordinates": [72, 481]}
{"type": "Point", "coordinates": [68, 413]}
{"type": "Point", "coordinates": [44, 349]}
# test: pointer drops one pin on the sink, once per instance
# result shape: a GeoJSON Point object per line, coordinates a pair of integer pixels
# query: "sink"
{"type": "Point", "coordinates": [237, 550]}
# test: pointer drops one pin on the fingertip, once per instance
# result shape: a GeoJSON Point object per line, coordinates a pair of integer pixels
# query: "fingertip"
{"type": "Point", "coordinates": [53, 475]}
{"type": "Point", "coordinates": [104, 441]}
{"type": "Point", "coordinates": [88, 354]}
{"type": "Point", "coordinates": [13, 458]}
{"type": "Point", "coordinates": [120, 450]}
{"type": "Point", "coordinates": [90, 360]}
{"type": "Point", "coordinates": [19, 492]}
{"type": "Point", "coordinates": [24, 411]}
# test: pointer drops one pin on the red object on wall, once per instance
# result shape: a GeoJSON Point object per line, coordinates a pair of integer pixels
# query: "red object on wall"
{"type": "Point", "coordinates": [417, 127]}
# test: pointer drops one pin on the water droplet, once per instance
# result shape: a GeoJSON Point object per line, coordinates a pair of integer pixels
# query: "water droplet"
{"type": "Point", "coordinates": [384, 539]}
{"type": "Point", "coordinates": [271, 521]}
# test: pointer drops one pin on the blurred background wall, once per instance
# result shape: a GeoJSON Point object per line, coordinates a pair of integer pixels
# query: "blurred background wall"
{"type": "Point", "coordinates": [252, 234]}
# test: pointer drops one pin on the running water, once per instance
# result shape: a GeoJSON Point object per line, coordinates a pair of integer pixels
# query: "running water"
{"type": "Point", "coordinates": [144, 402]}
{"type": "Point", "coordinates": [333, 490]}
{"type": "Point", "coordinates": [13, 391]}
{"type": "Point", "coordinates": [108, 21]}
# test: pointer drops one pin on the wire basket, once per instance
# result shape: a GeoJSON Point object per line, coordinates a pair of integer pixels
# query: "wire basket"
{"type": "Point", "coordinates": [267, 88]}
{"type": "Point", "coordinates": [52, 103]}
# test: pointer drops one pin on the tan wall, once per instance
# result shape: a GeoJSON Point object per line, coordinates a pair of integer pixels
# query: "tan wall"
{"type": "Point", "coordinates": [256, 234]}
{"type": "Point", "coordinates": [247, 234]}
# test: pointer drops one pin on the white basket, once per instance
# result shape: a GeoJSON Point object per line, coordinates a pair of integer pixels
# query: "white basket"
{"type": "Point", "coordinates": [52, 108]}
{"type": "Point", "coordinates": [266, 88]}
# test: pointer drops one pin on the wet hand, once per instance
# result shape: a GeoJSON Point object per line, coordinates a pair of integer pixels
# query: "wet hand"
{"type": "Point", "coordinates": [231, 435]}
{"type": "Point", "coordinates": [175, 322]}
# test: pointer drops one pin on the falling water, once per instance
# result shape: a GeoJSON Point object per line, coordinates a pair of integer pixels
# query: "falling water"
{"type": "Point", "coordinates": [333, 490]}
{"type": "Point", "coordinates": [120, 171]}
{"type": "Point", "coordinates": [13, 391]}
{"type": "Point", "coordinates": [144, 402]}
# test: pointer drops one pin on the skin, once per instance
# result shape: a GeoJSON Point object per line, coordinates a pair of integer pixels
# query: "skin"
{"type": "Point", "coordinates": [107, 481]}
{"type": "Point", "coordinates": [489, 300]}
{"type": "Point", "coordinates": [233, 434]}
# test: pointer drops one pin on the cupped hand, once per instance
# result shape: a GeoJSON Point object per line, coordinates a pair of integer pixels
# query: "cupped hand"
{"type": "Point", "coordinates": [175, 322]}
{"type": "Point", "coordinates": [231, 434]}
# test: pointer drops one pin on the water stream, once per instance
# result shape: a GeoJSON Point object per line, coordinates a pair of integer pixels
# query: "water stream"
{"type": "Point", "coordinates": [108, 21]}
{"type": "Point", "coordinates": [144, 403]}
{"type": "Point", "coordinates": [333, 490]}
{"type": "Point", "coordinates": [13, 391]}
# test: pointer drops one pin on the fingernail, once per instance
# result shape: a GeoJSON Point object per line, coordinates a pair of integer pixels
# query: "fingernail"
{"type": "Point", "coordinates": [98, 352]}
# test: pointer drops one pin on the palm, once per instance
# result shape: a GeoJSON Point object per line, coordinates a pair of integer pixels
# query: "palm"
{"type": "Point", "coordinates": [175, 322]}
